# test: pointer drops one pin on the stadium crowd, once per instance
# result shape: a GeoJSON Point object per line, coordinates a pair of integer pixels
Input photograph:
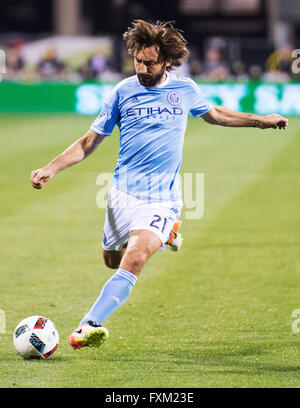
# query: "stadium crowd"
{"type": "Point", "coordinates": [98, 67]}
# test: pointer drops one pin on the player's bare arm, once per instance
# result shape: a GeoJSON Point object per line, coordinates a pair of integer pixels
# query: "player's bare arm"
{"type": "Point", "coordinates": [219, 115]}
{"type": "Point", "coordinates": [78, 151]}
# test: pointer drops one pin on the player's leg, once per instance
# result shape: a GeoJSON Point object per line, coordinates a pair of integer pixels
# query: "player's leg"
{"type": "Point", "coordinates": [145, 227]}
{"type": "Point", "coordinates": [141, 246]}
{"type": "Point", "coordinates": [150, 228]}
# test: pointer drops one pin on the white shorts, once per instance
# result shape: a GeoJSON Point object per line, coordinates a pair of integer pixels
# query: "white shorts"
{"type": "Point", "coordinates": [125, 213]}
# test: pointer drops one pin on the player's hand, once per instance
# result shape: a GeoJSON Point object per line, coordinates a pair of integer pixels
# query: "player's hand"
{"type": "Point", "coordinates": [40, 176]}
{"type": "Point", "coordinates": [274, 121]}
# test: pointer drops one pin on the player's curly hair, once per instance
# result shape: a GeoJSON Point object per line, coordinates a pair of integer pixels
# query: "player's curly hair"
{"type": "Point", "coordinates": [170, 40]}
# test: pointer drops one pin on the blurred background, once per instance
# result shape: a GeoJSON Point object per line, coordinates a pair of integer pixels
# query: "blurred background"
{"type": "Point", "coordinates": [236, 47]}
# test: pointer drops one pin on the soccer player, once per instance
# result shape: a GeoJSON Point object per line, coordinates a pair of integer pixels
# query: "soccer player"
{"type": "Point", "coordinates": [144, 202]}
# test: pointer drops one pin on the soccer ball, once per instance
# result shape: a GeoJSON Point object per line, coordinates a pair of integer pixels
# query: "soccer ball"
{"type": "Point", "coordinates": [35, 337]}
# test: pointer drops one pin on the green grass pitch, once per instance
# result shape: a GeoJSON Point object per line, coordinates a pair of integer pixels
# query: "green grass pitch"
{"type": "Point", "coordinates": [216, 314]}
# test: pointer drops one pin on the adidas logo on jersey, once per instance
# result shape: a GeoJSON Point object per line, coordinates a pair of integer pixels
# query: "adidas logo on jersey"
{"type": "Point", "coordinates": [134, 99]}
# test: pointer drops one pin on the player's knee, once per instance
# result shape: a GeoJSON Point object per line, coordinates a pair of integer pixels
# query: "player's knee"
{"type": "Point", "coordinates": [136, 259]}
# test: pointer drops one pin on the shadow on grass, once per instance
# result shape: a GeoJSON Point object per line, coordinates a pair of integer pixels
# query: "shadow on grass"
{"type": "Point", "coordinates": [52, 360]}
{"type": "Point", "coordinates": [249, 360]}
{"type": "Point", "coordinates": [234, 245]}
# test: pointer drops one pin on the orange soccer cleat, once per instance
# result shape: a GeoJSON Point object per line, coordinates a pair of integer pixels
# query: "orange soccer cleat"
{"type": "Point", "coordinates": [175, 239]}
{"type": "Point", "coordinates": [88, 335]}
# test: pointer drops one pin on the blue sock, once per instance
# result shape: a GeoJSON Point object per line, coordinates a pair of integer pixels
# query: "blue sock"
{"type": "Point", "coordinates": [113, 294]}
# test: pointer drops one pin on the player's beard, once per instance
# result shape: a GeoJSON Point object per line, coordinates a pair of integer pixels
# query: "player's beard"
{"type": "Point", "coordinates": [149, 80]}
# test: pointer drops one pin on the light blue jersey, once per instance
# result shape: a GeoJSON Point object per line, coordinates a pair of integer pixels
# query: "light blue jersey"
{"type": "Point", "coordinates": [152, 123]}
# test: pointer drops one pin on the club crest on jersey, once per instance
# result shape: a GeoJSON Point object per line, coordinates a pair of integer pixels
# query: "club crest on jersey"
{"type": "Point", "coordinates": [174, 98]}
